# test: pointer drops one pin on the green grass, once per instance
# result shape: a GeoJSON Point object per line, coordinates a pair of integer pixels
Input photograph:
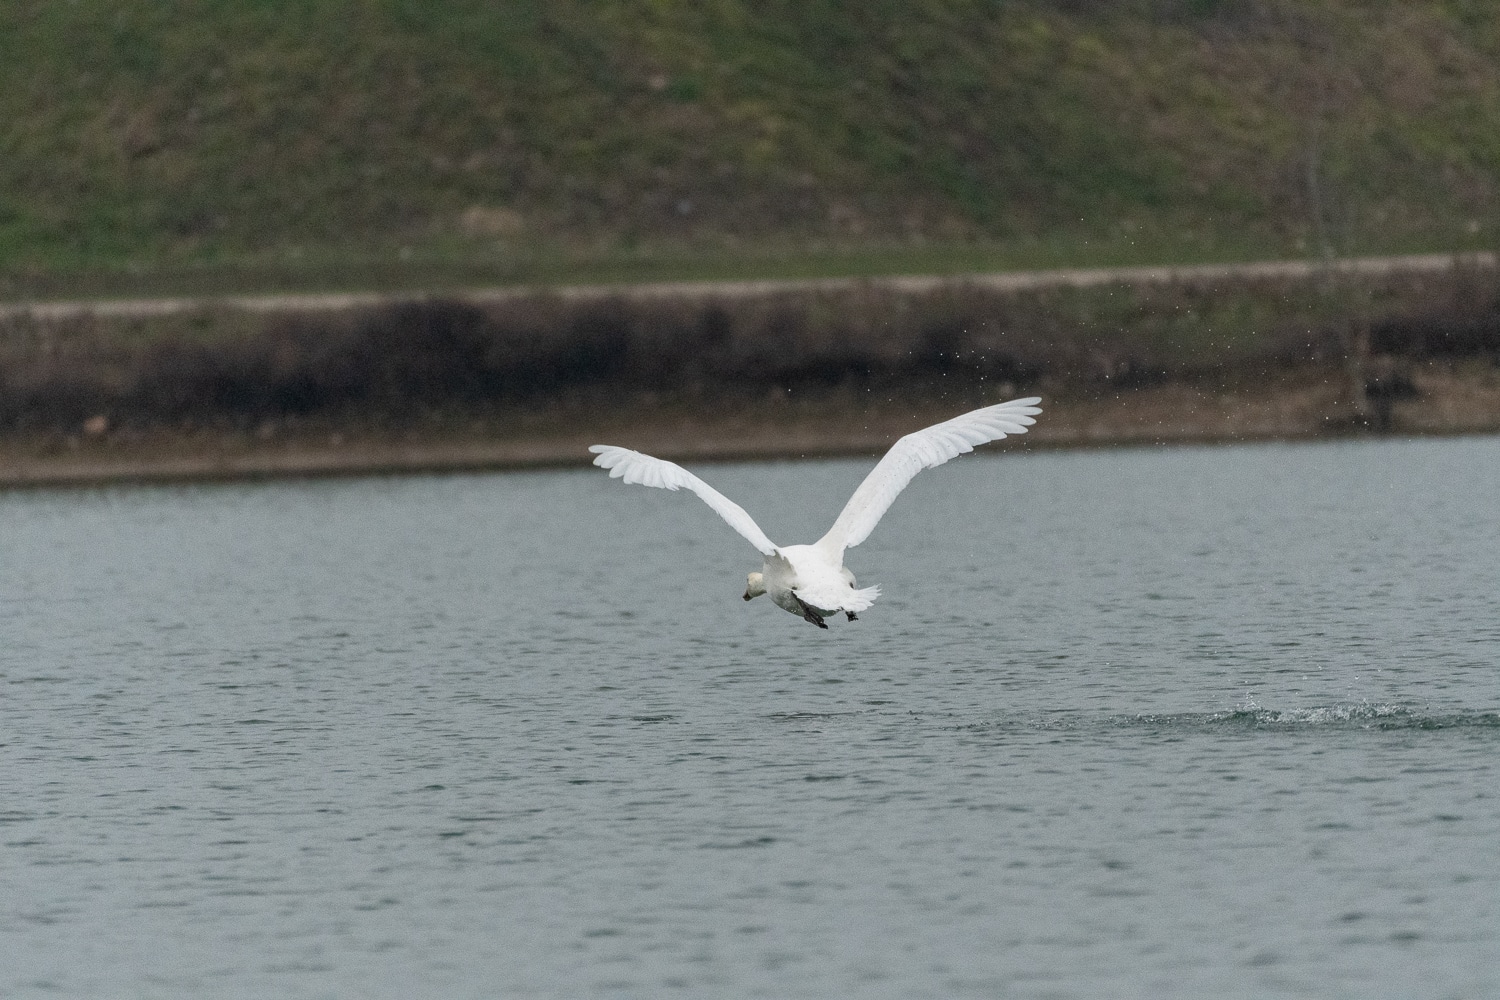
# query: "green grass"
{"type": "Point", "coordinates": [219, 145]}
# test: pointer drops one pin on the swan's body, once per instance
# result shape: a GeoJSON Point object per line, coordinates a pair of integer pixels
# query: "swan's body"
{"type": "Point", "coordinates": [810, 581]}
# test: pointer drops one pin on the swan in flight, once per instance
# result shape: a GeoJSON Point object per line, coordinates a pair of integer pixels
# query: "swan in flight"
{"type": "Point", "coordinates": [810, 581]}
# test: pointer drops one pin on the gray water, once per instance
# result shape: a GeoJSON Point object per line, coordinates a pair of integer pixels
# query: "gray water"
{"type": "Point", "coordinates": [1194, 722]}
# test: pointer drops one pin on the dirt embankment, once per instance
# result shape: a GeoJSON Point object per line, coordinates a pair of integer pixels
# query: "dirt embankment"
{"type": "Point", "coordinates": [515, 379]}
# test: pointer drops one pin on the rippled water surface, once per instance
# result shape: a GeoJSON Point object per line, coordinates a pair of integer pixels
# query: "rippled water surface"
{"type": "Point", "coordinates": [1198, 722]}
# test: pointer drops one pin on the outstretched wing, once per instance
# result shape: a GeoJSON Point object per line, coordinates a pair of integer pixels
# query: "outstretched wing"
{"type": "Point", "coordinates": [633, 467]}
{"type": "Point", "coordinates": [920, 450]}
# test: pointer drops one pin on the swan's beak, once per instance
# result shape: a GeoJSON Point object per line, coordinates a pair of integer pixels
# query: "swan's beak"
{"type": "Point", "coordinates": [749, 596]}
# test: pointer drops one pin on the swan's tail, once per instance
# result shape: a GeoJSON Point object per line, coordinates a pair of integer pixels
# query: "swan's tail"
{"type": "Point", "coordinates": [858, 600]}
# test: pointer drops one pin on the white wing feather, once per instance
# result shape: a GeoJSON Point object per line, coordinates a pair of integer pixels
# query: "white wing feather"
{"type": "Point", "coordinates": [634, 467]}
{"type": "Point", "coordinates": [924, 449]}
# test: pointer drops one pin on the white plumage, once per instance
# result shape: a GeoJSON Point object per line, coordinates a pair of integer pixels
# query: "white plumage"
{"type": "Point", "coordinates": [810, 580]}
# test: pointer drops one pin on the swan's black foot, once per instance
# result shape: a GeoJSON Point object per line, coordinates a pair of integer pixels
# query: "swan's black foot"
{"type": "Point", "coordinates": [808, 614]}
{"type": "Point", "coordinates": [852, 616]}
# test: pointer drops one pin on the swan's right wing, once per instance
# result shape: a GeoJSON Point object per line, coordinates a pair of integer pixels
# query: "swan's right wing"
{"type": "Point", "coordinates": [920, 450]}
{"type": "Point", "coordinates": [634, 467]}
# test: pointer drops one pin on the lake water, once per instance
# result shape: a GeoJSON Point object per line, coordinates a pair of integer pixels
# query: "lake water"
{"type": "Point", "coordinates": [1191, 722]}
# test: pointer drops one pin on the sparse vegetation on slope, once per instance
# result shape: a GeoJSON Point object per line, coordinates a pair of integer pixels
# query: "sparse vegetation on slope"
{"type": "Point", "coordinates": [237, 142]}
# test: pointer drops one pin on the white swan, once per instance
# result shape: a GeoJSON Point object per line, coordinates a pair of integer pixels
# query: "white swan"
{"type": "Point", "coordinates": [810, 581]}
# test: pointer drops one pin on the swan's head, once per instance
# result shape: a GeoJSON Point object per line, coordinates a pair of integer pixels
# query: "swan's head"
{"type": "Point", "coordinates": [755, 585]}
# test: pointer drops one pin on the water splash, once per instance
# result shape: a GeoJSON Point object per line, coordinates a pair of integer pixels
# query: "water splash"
{"type": "Point", "coordinates": [1249, 717]}
{"type": "Point", "coordinates": [1358, 716]}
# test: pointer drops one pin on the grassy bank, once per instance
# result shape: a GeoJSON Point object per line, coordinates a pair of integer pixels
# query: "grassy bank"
{"type": "Point", "coordinates": [533, 378]}
{"type": "Point", "coordinates": [219, 146]}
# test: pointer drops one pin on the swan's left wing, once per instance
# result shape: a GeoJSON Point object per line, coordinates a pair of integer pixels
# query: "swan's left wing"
{"type": "Point", "coordinates": [634, 467]}
{"type": "Point", "coordinates": [920, 450]}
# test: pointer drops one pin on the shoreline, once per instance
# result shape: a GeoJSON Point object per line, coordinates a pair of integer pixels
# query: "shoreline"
{"type": "Point", "coordinates": [446, 459]}
{"type": "Point", "coordinates": [267, 387]}
{"type": "Point", "coordinates": [365, 460]}
{"type": "Point", "coordinates": [1301, 407]}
